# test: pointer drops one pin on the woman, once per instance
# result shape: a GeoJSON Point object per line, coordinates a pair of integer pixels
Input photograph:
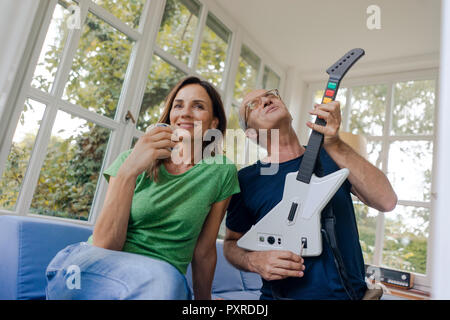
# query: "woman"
{"type": "Point", "coordinates": [159, 215]}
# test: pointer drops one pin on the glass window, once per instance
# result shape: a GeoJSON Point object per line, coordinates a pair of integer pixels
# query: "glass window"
{"type": "Point", "coordinates": [235, 141]}
{"type": "Point", "coordinates": [99, 67]}
{"type": "Point", "coordinates": [161, 79]}
{"type": "Point", "coordinates": [51, 52]}
{"type": "Point", "coordinates": [213, 52]}
{"type": "Point", "coordinates": [270, 79]}
{"type": "Point", "coordinates": [71, 169]}
{"type": "Point", "coordinates": [235, 138]}
{"type": "Point", "coordinates": [374, 153]}
{"type": "Point", "coordinates": [367, 224]}
{"type": "Point", "coordinates": [409, 167]}
{"type": "Point", "coordinates": [318, 95]}
{"type": "Point", "coordinates": [405, 239]}
{"type": "Point", "coordinates": [126, 10]}
{"type": "Point", "coordinates": [20, 153]}
{"type": "Point", "coordinates": [247, 74]}
{"type": "Point", "coordinates": [368, 112]}
{"type": "Point", "coordinates": [178, 27]}
{"type": "Point", "coordinates": [410, 164]}
{"type": "Point", "coordinates": [413, 111]}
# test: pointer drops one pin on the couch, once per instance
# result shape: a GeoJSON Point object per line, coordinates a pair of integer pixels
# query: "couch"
{"type": "Point", "coordinates": [27, 244]}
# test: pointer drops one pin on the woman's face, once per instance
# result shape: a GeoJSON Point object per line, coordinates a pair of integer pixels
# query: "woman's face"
{"type": "Point", "coordinates": [192, 111]}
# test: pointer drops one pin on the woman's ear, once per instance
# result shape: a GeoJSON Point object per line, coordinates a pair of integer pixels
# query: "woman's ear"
{"type": "Point", "coordinates": [214, 123]}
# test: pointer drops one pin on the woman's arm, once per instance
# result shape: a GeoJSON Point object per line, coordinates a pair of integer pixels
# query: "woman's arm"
{"type": "Point", "coordinates": [111, 227]}
{"type": "Point", "coordinates": [205, 257]}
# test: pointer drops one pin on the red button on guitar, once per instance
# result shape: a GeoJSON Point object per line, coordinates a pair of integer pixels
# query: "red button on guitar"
{"type": "Point", "coordinates": [329, 93]}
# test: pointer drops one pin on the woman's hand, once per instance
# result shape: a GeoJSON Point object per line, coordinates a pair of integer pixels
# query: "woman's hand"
{"type": "Point", "coordinates": [155, 144]}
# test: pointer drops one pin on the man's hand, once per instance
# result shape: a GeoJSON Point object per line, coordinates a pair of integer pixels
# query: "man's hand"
{"type": "Point", "coordinates": [276, 265]}
{"type": "Point", "coordinates": [331, 113]}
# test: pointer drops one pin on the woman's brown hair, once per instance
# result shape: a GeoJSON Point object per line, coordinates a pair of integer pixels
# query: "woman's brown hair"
{"type": "Point", "coordinates": [217, 107]}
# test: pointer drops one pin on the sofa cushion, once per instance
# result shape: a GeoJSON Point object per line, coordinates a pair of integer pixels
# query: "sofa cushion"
{"type": "Point", "coordinates": [238, 295]}
{"type": "Point", "coordinates": [27, 246]}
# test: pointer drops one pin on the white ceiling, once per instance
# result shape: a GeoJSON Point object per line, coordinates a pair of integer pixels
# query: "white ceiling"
{"type": "Point", "coordinates": [310, 35]}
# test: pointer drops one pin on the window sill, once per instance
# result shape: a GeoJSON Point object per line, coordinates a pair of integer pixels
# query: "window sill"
{"type": "Point", "coordinates": [410, 294]}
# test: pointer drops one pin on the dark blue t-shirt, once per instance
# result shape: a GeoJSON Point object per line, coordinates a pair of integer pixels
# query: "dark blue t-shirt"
{"type": "Point", "coordinates": [260, 193]}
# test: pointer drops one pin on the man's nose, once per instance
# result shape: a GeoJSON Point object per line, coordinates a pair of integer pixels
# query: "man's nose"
{"type": "Point", "coordinates": [265, 101]}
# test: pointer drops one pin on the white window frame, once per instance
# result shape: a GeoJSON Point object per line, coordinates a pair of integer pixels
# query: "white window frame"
{"type": "Point", "coordinates": [421, 282]}
{"type": "Point", "coordinates": [265, 60]}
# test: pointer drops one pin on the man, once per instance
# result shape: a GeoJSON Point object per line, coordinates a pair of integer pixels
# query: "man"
{"type": "Point", "coordinates": [286, 274]}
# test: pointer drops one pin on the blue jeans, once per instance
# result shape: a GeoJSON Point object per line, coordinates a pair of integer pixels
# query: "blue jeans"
{"type": "Point", "coordinates": [82, 271]}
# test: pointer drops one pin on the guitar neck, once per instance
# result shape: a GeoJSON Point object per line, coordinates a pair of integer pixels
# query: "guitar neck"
{"type": "Point", "coordinates": [316, 138]}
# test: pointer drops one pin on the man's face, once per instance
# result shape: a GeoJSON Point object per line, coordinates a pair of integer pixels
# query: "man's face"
{"type": "Point", "coordinates": [268, 111]}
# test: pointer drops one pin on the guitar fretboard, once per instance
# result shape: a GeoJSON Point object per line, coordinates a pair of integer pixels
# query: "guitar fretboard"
{"type": "Point", "coordinates": [316, 138]}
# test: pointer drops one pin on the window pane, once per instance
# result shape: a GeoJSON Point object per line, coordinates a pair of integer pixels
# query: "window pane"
{"type": "Point", "coordinates": [368, 105]}
{"type": "Point", "coordinates": [161, 79]}
{"type": "Point", "coordinates": [406, 234]}
{"type": "Point", "coordinates": [51, 52]}
{"type": "Point", "coordinates": [178, 27]}
{"type": "Point", "coordinates": [19, 155]}
{"type": "Point", "coordinates": [126, 10]}
{"type": "Point", "coordinates": [270, 79]}
{"type": "Point", "coordinates": [235, 142]}
{"type": "Point", "coordinates": [247, 73]}
{"type": "Point", "coordinates": [213, 53]}
{"type": "Point", "coordinates": [71, 169]}
{"type": "Point", "coordinates": [374, 153]}
{"type": "Point", "coordinates": [235, 138]}
{"type": "Point", "coordinates": [409, 166]}
{"type": "Point", "coordinates": [413, 111]}
{"type": "Point", "coordinates": [99, 67]}
{"type": "Point", "coordinates": [366, 218]}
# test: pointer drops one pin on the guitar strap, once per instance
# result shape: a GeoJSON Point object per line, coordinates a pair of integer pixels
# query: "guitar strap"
{"type": "Point", "coordinates": [329, 233]}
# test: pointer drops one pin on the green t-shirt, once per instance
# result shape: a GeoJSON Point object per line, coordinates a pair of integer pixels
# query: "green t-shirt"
{"type": "Point", "coordinates": [166, 217]}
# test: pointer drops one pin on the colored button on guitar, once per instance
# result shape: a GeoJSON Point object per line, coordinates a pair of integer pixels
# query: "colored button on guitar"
{"type": "Point", "coordinates": [326, 100]}
{"type": "Point", "coordinates": [332, 85]}
{"type": "Point", "coordinates": [329, 93]}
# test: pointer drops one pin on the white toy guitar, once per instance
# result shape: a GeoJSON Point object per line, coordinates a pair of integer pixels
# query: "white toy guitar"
{"type": "Point", "coordinates": [295, 222]}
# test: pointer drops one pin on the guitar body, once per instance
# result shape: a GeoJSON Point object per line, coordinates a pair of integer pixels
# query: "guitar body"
{"type": "Point", "coordinates": [296, 217]}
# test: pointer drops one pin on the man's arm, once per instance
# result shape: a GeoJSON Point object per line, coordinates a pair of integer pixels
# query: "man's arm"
{"type": "Point", "coordinates": [369, 183]}
{"type": "Point", "coordinates": [271, 265]}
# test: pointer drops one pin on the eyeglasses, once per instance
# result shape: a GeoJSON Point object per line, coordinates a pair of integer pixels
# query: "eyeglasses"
{"type": "Point", "coordinates": [255, 102]}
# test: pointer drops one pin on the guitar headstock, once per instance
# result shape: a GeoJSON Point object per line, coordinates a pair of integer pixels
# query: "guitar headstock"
{"type": "Point", "coordinates": [340, 67]}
